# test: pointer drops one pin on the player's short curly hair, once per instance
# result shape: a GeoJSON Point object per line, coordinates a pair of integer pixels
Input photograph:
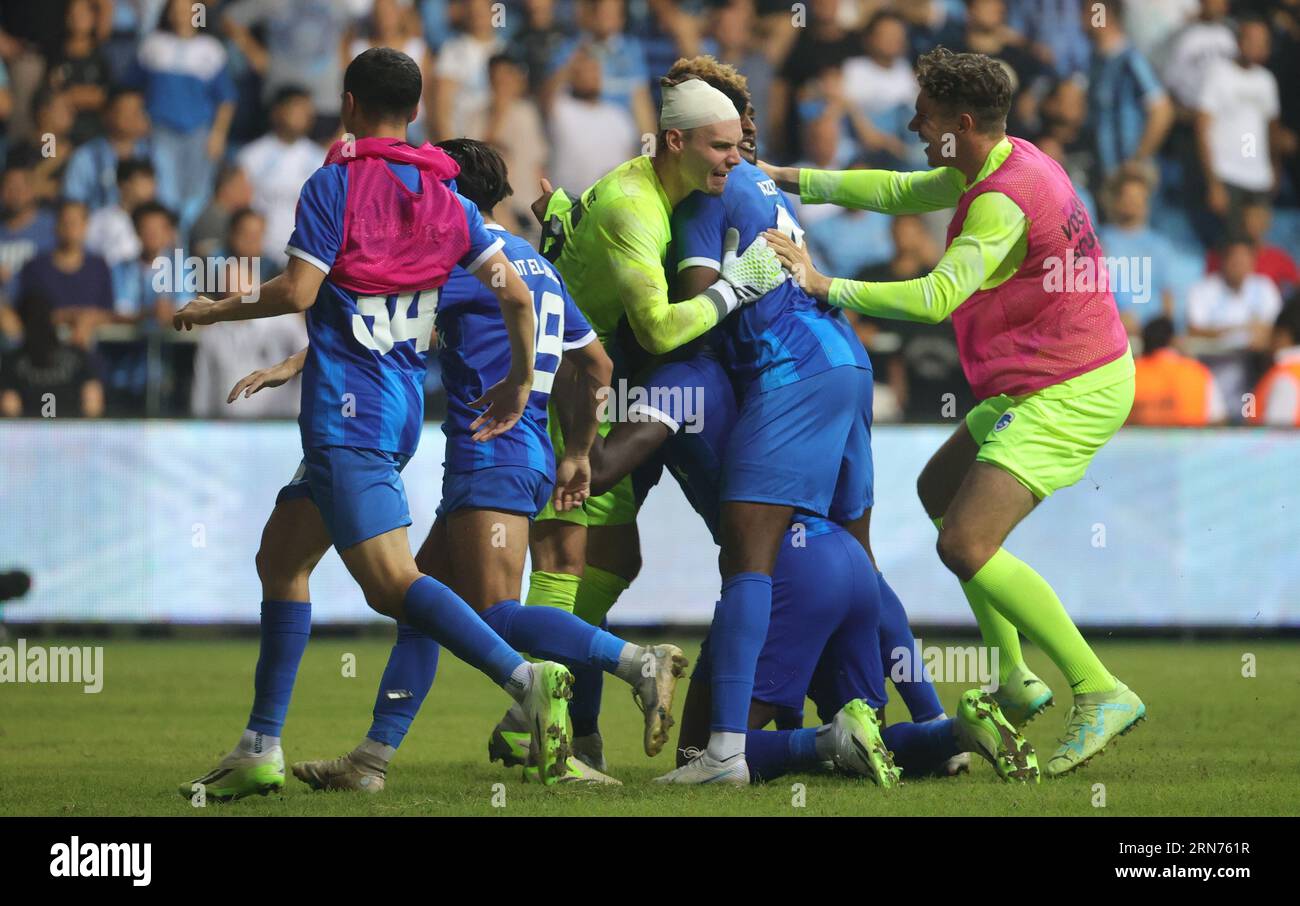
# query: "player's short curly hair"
{"type": "Point", "coordinates": [722, 76]}
{"type": "Point", "coordinates": [483, 178]}
{"type": "Point", "coordinates": [967, 83]}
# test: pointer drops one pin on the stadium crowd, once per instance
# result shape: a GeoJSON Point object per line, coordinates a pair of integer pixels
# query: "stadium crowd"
{"type": "Point", "coordinates": [155, 148]}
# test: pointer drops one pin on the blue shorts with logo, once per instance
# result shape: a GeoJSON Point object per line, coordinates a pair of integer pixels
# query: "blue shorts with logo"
{"type": "Point", "coordinates": [805, 445]}
{"type": "Point", "coordinates": [509, 489]}
{"type": "Point", "coordinates": [358, 491]}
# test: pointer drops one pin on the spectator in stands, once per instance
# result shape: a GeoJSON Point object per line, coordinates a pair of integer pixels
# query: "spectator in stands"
{"type": "Point", "coordinates": [539, 44]}
{"type": "Point", "coordinates": [191, 101]}
{"type": "Point", "coordinates": [51, 146]}
{"type": "Point", "coordinates": [823, 42]}
{"type": "Point", "coordinates": [931, 23]}
{"type": "Point", "coordinates": [879, 85]}
{"type": "Point", "coordinates": [147, 290]}
{"type": "Point", "coordinates": [26, 230]}
{"type": "Point", "coordinates": [513, 125]}
{"type": "Point", "coordinates": [987, 32]}
{"type": "Point", "coordinates": [1237, 115]}
{"type": "Point", "coordinates": [461, 91]}
{"type": "Point", "coordinates": [389, 26]}
{"type": "Point", "coordinates": [1129, 112]}
{"type": "Point", "coordinates": [110, 233]}
{"type": "Point", "coordinates": [277, 165]}
{"type": "Point", "coordinates": [1173, 390]}
{"type": "Point", "coordinates": [1270, 260]}
{"type": "Point", "coordinates": [1152, 24]}
{"type": "Point", "coordinates": [229, 351]}
{"type": "Point", "coordinates": [81, 70]}
{"type": "Point", "coordinates": [1055, 30]}
{"type": "Point", "coordinates": [75, 283]}
{"type": "Point", "coordinates": [1129, 235]}
{"type": "Point", "coordinates": [1196, 45]}
{"type": "Point", "coordinates": [624, 74]}
{"type": "Point", "coordinates": [822, 141]}
{"type": "Point", "coordinates": [1277, 396]}
{"type": "Point", "coordinates": [233, 192]}
{"type": "Point", "coordinates": [739, 45]}
{"type": "Point", "coordinates": [589, 135]}
{"type": "Point", "coordinates": [299, 36]}
{"type": "Point", "coordinates": [91, 177]}
{"type": "Point", "coordinates": [46, 377]}
{"type": "Point", "coordinates": [1235, 306]}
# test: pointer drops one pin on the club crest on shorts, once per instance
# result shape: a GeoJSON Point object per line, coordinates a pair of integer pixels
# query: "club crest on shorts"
{"type": "Point", "coordinates": [1004, 421]}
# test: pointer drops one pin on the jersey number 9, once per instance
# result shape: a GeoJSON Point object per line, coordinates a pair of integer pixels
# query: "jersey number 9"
{"type": "Point", "coordinates": [548, 343]}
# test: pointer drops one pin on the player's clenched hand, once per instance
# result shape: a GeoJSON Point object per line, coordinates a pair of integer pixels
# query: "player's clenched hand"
{"type": "Point", "coordinates": [264, 377]}
{"type": "Point", "coordinates": [197, 312]}
{"type": "Point", "coordinates": [503, 404]}
{"type": "Point", "coordinates": [753, 274]}
{"type": "Point", "coordinates": [572, 483]}
{"type": "Point", "coordinates": [798, 262]}
{"type": "Point", "coordinates": [539, 206]}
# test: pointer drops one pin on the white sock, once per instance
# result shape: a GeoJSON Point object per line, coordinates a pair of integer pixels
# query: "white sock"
{"type": "Point", "coordinates": [254, 743]}
{"type": "Point", "coordinates": [374, 754]}
{"type": "Point", "coordinates": [724, 745]}
{"type": "Point", "coordinates": [520, 681]}
{"type": "Point", "coordinates": [630, 661]}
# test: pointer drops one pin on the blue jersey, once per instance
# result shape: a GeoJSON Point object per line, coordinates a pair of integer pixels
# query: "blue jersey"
{"type": "Point", "coordinates": [363, 382]}
{"type": "Point", "coordinates": [474, 353]}
{"type": "Point", "coordinates": [696, 400]}
{"type": "Point", "coordinates": [787, 335]}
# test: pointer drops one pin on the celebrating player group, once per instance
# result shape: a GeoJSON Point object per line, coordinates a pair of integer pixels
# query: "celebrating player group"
{"type": "Point", "coordinates": [682, 272]}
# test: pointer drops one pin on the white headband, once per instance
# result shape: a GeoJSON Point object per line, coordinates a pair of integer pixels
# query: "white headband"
{"type": "Point", "coordinates": [694, 103]}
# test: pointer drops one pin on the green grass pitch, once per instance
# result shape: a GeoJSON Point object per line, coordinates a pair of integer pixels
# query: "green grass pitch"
{"type": "Point", "coordinates": [1215, 743]}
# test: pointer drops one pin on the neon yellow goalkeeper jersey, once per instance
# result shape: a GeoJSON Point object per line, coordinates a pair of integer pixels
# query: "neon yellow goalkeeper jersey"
{"type": "Point", "coordinates": [613, 263]}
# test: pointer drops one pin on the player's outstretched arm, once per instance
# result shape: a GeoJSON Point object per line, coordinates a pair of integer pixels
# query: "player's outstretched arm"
{"type": "Point", "coordinates": [591, 370]}
{"type": "Point", "coordinates": [292, 291]}
{"type": "Point", "coordinates": [993, 227]}
{"type": "Point", "coordinates": [504, 402]}
{"type": "Point", "coordinates": [277, 374]}
{"type": "Point", "coordinates": [884, 191]}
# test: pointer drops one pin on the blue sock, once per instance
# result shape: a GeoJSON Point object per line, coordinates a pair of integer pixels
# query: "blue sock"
{"type": "Point", "coordinates": [739, 629]}
{"type": "Point", "coordinates": [554, 635]}
{"type": "Point", "coordinates": [771, 753]}
{"type": "Point", "coordinates": [437, 611]}
{"type": "Point", "coordinates": [919, 695]}
{"type": "Point", "coordinates": [286, 626]}
{"type": "Point", "coordinates": [406, 681]}
{"type": "Point", "coordinates": [920, 748]}
{"type": "Point", "coordinates": [584, 709]}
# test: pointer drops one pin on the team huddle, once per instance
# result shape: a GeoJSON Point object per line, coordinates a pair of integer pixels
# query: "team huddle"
{"type": "Point", "coordinates": [683, 274]}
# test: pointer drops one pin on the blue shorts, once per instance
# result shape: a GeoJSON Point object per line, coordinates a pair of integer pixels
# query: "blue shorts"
{"type": "Point", "coordinates": [508, 489]}
{"type": "Point", "coordinates": [823, 613]}
{"type": "Point", "coordinates": [789, 442]}
{"type": "Point", "coordinates": [855, 488]}
{"type": "Point", "coordinates": [358, 491]}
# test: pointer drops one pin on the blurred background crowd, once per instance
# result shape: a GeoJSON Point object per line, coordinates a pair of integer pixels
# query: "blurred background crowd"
{"type": "Point", "coordinates": [139, 130]}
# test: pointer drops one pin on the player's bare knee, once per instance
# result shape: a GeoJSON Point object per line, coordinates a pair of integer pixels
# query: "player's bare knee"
{"type": "Point", "coordinates": [963, 553]}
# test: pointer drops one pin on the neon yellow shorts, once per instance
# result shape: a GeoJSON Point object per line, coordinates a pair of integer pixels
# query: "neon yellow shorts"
{"type": "Point", "coordinates": [1048, 438]}
{"type": "Point", "coordinates": [617, 506]}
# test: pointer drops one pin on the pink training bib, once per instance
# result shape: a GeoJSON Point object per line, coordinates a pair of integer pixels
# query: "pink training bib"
{"type": "Point", "coordinates": [1055, 318]}
{"type": "Point", "coordinates": [396, 240]}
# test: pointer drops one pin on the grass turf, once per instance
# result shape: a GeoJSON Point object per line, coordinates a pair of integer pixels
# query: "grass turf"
{"type": "Point", "coordinates": [1215, 743]}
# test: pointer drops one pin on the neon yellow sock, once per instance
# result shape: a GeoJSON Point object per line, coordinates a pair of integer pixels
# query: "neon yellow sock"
{"type": "Point", "coordinates": [552, 590]}
{"type": "Point", "coordinates": [1023, 596]}
{"type": "Point", "coordinates": [597, 594]}
{"type": "Point", "coordinates": [997, 631]}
